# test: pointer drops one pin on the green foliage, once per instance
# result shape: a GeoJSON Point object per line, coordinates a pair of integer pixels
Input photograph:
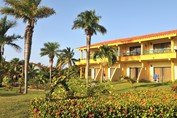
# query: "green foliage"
{"type": "Point", "coordinates": [128, 79]}
{"type": "Point", "coordinates": [96, 89]}
{"type": "Point", "coordinates": [106, 52]}
{"type": "Point", "coordinates": [7, 83]}
{"type": "Point", "coordinates": [174, 86]}
{"type": "Point", "coordinates": [39, 82]}
{"type": "Point", "coordinates": [145, 103]}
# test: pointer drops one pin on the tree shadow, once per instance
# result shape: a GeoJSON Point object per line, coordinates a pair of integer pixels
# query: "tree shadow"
{"type": "Point", "coordinates": [9, 93]}
{"type": "Point", "coordinates": [151, 85]}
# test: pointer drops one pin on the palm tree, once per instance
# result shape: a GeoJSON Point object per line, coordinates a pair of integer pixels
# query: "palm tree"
{"type": "Point", "coordinates": [89, 22]}
{"type": "Point", "coordinates": [108, 56]}
{"type": "Point", "coordinates": [60, 62]}
{"type": "Point", "coordinates": [51, 49]}
{"type": "Point", "coordinates": [29, 11]}
{"type": "Point", "coordinates": [68, 56]}
{"type": "Point", "coordinates": [5, 39]}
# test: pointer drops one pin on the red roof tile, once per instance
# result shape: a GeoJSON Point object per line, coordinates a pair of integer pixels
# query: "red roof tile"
{"type": "Point", "coordinates": [124, 40]}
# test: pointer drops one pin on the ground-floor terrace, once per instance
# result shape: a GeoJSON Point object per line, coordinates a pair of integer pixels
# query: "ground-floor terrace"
{"type": "Point", "coordinates": [159, 71]}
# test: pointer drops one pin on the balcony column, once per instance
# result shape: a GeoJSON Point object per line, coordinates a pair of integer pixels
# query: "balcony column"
{"type": "Point", "coordinates": [172, 45]}
{"type": "Point", "coordinates": [142, 48]}
{"type": "Point", "coordinates": [172, 71]}
{"type": "Point", "coordinates": [81, 54]}
{"type": "Point", "coordinates": [118, 50]}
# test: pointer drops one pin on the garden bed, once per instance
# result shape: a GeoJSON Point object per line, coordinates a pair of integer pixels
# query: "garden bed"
{"type": "Point", "coordinates": [142, 103]}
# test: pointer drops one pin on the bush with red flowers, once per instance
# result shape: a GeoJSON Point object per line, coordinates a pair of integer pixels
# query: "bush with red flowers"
{"type": "Point", "coordinates": [142, 103]}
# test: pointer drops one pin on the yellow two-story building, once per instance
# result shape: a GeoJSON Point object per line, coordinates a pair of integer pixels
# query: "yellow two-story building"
{"type": "Point", "coordinates": [147, 57]}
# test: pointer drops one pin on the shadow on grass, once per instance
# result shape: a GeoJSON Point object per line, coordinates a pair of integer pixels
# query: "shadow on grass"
{"type": "Point", "coordinates": [151, 85]}
{"type": "Point", "coordinates": [141, 85]}
{"type": "Point", "coordinates": [9, 93]}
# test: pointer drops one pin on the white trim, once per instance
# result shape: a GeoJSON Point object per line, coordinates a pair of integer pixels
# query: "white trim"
{"type": "Point", "coordinates": [152, 73]}
{"type": "Point", "coordinates": [128, 72]}
{"type": "Point", "coordinates": [109, 72]}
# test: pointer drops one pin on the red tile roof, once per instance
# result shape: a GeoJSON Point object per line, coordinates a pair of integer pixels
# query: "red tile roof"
{"type": "Point", "coordinates": [130, 39]}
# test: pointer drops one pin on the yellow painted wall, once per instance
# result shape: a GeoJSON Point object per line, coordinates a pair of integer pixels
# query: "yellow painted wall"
{"type": "Point", "coordinates": [117, 74]}
{"type": "Point", "coordinates": [160, 63]}
{"type": "Point", "coordinates": [145, 74]}
{"type": "Point", "coordinates": [175, 43]}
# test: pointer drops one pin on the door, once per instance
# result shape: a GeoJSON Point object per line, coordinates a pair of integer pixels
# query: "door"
{"type": "Point", "coordinates": [163, 73]}
{"type": "Point", "coordinates": [134, 72]}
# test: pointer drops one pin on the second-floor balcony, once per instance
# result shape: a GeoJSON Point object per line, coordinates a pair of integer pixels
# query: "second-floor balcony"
{"type": "Point", "coordinates": [147, 55]}
{"type": "Point", "coordinates": [153, 51]}
{"type": "Point", "coordinates": [157, 51]}
{"type": "Point", "coordinates": [155, 54]}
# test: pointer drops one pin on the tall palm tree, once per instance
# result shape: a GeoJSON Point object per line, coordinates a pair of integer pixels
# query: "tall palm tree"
{"type": "Point", "coordinates": [5, 39]}
{"type": "Point", "coordinates": [68, 55]}
{"type": "Point", "coordinates": [50, 49]}
{"type": "Point", "coordinates": [107, 55]}
{"type": "Point", "coordinates": [89, 22]}
{"type": "Point", "coordinates": [29, 11]}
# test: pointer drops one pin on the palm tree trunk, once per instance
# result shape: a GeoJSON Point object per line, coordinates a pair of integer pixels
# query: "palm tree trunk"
{"type": "Point", "coordinates": [102, 75]}
{"type": "Point", "coordinates": [0, 54]}
{"type": "Point", "coordinates": [69, 64]}
{"type": "Point", "coordinates": [51, 65]}
{"type": "Point", "coordinates": [27, 53]}
{"type": "Point", "coordinates": [87, 59]}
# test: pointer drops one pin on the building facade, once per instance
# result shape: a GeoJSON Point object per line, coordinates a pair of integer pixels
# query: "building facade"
{"type": "Point", "coordinates": [149, 57]}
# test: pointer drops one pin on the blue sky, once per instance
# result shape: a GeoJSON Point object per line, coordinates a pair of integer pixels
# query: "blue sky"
{"type": "Point", "coordinates": [121, 18]}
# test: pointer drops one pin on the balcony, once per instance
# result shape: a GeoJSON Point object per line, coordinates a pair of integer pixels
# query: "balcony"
{"type": "Point", "coordinates": [148, 55]}
{"type": "Point", "coordinates": [92, 61]}
{"type": "Point", "coordinates": [157, 54]}
{"type": "Point", "coordinates": [157, 51]}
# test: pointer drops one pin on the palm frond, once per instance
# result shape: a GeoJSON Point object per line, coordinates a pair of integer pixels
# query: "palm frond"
{"type": "Point", "coordinates": [44, 12]}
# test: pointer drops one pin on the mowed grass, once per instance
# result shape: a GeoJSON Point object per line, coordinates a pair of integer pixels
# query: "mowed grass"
{"type": "Point", "coordinates": [120, 87]}
{"type": "Point", "coordinates": [14, 105]}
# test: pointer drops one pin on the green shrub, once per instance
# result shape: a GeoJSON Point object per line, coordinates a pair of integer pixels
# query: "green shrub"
{"type": "Point", "coordinates": [174, 88]}
{"type": "Point", "coordinates": [150, 103]}
{"type": "Point", "coordinates": [7, 83]}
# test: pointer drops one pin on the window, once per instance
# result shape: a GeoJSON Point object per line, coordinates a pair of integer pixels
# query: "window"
{"type": "Point", "coordinates": [135, 50]}
{"type": "Point", "coordinates": [162, 47]}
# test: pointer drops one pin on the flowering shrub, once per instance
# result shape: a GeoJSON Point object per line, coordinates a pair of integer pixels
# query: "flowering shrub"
{"type": "Point", "coordinates": [149, 103]}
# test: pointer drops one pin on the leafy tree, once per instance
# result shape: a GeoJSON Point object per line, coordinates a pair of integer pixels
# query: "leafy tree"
{"type": "Point", "coordinates": [5, 39]}
{"type": "Point", "coordinates": [33, 71]}
{"type": "Point", "coordinates": [17, 67]}
{"type": "Point", "coordinates": [89, 22]}
{"type": "Point", "coordinates": [108, 56]}
{"type": "Point", "coordinates": [50, 49]}
{"type": "Point", "coordinates": [3, 66]}
{"type": "Point", "coordinates": [29, 11]}
{"type": "Point", "coordinates": [68, 56]}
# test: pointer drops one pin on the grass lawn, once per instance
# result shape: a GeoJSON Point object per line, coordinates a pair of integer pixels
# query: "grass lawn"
{"type": "Point", "coordinates": [119, 87]}
{"type": "Point", "coordinates": [14, 105]}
